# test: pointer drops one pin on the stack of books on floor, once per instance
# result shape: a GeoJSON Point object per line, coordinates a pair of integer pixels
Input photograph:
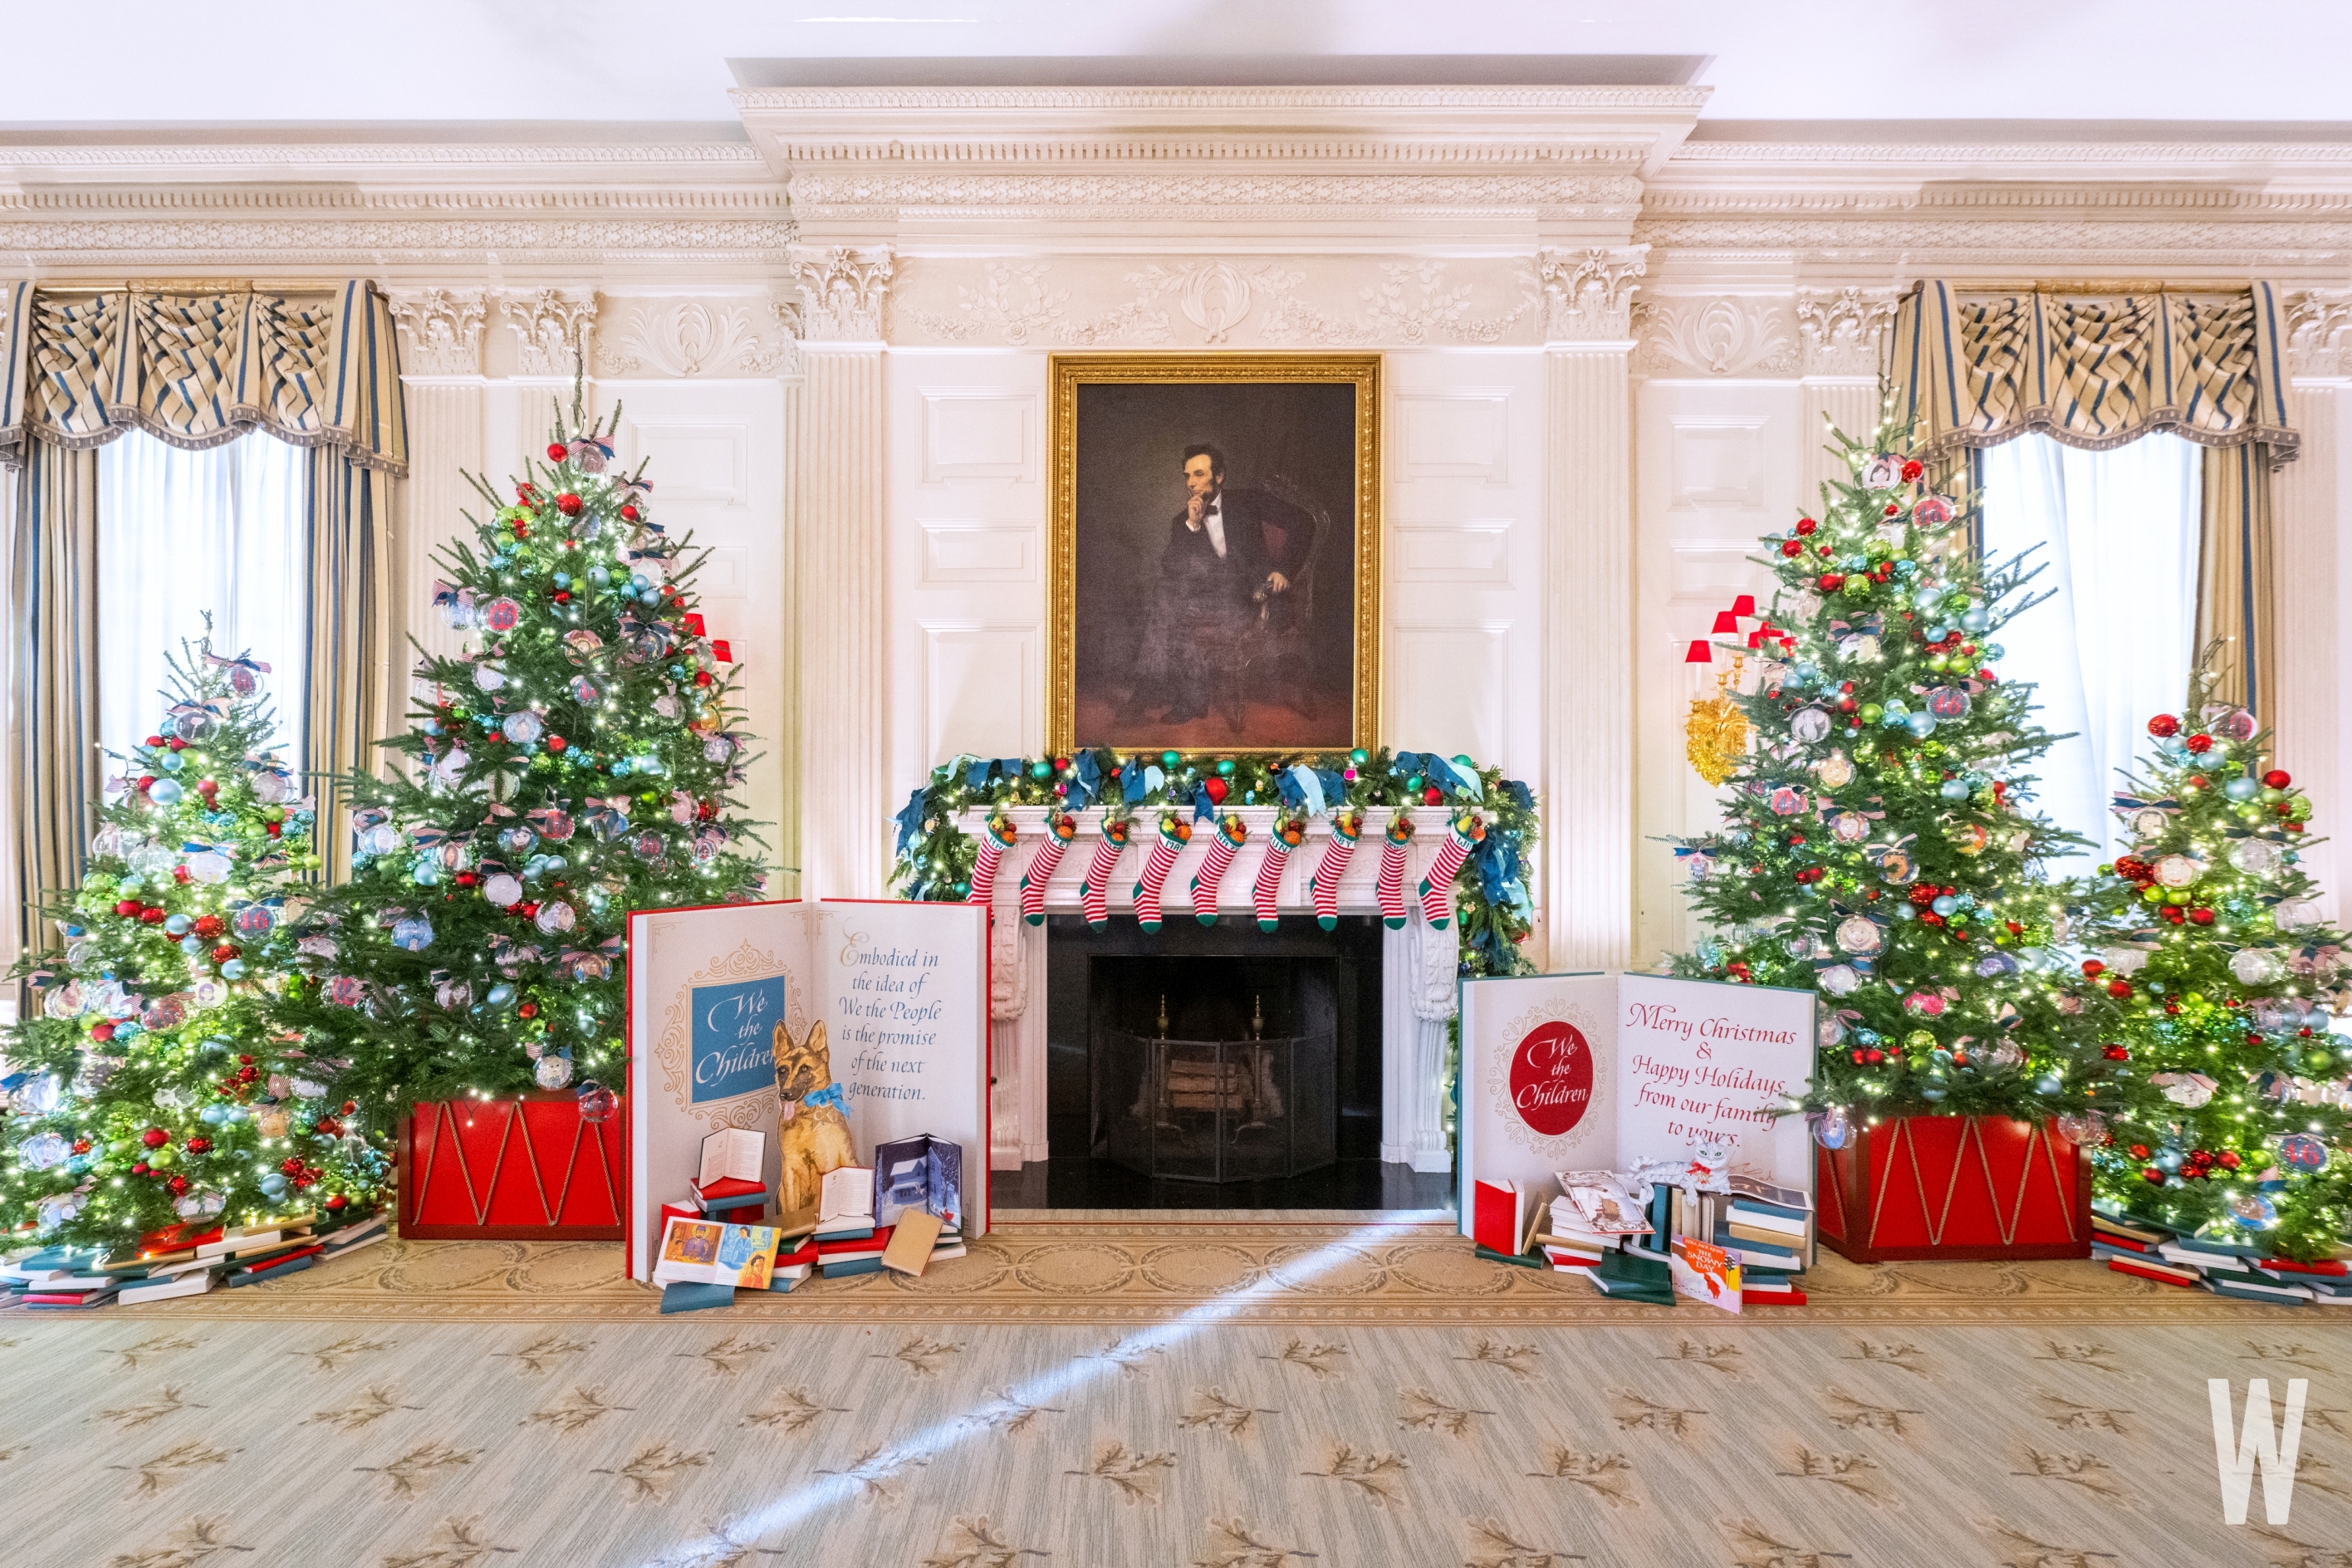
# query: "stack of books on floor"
{"type": "Point", "coordinates": [181, 1260]}
{"type": "Point", "coordinates": [1604, 1226]}
{"type": "Point", "coordinates": [2147, 1250]}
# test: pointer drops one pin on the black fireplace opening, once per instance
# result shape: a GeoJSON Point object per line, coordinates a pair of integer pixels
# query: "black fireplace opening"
{"type": "Point", "coordinates": [1218, 1066]}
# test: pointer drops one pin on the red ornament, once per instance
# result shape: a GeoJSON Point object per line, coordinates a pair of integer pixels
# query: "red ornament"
{"type": "Point", "coordinates": [155, 1137]}
{"type": "Point", "coordinates": [2115, 1053]}
{"type": "Point", "coordinates": [208, 925]}
{"type": "Point", "coordinates": [1831, 582]}
{"type": "Point", "coordinates": [702, 677]}
{"type": "Point", "coordinates": [223, 954]}
{"type": "Point", "coordinates": [1218, 789]}
{"type": "Point", "coordinates": [336, 1203]}
{"type": "Point", "coordinates": [2199, 781]}
{"type": "Point", "coordinates": [568, 504]}
{"type": "Point", "coordinates": [2092, 968]}
{"type": "Point", "coordinates": [2199, 743]}
{"type": "Point", "coordinates": [1912, 469]}
{"type": "Point", "coordinates": [275, 828]}
{"type": "Point", "coordinates": [2201, 917]}
{"type": "Point", "coordinates": [1792, 549]}
{"type": "Point", "coordinates": [152, 915]}
{"type": "Point", "coordinates": [127, 908]}
{"type": "Point", "coordinates": [2276, 779]}
{"type": "Point", "coordinates": [102, 1033]}
{"type": "Point", "coordinates": [291, 1164]}
{"type": "Point", "coordinates": [2119, 989]}
{"type": "Point", "coordinates": [465, 878]}
{"type": "Point", "coordinates": [2163, 724]}
{"type": "Point", "coordinates": [1892, 510]}
{"type": "Point", "coordinates": [563, 597]}
{"type": "Point", "coordinates": [146, 781]}
{"type": "Point", "coordinates": [178, 1184]}
{"type": "Point", "coordinates": [155, 740]}
{"type": "Point", "coordinates": [2152, 1176]}
{"type": "Point", "coordinates": [1806, 525]}
{"type": "Point", "coordinates": [527, 1010]}
{"type": "Point", "coordinates": [557, 451]}
{"type": "Point", "coordinates": [2228, 1160]}
{"type": "Point", "coordinates": [199, 1145]}
{"type": "Point", "coordinates": [81, 1145]}
{"type": "Point", "coordinates": [556, 743]}
{"type": "Point", "coordinates": [628, 514]}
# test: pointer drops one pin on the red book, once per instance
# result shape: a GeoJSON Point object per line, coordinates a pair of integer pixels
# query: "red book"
{"type": "Point", "coordinates": [1790, 1298]}
{"type": "Point", "coordinates": [806, 1253]}
{"type": "Point", "coordinates": [1498, 1217]}
{"type": "Point", "coordinates": [873, 1244]}
{"type": "Point", "coordinates": [179, 1238]}
{"type": "Point", "coordinates": [2139, 1272]}
{"type": "Point", "coordinates": [2108, 1239]}
{"type": "Point", "coordinates": [283, 1259]}
{"type": "Point", "coordinates": [2332, 1267]}
{"type": "Point", "coordinates": [711, 1192]}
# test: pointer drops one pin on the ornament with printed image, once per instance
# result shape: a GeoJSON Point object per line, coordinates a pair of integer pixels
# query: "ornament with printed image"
{"type": "Point", "coordinates": [1060, 829]}
{"type": "Point", "coordinates": [1230, 836]}
{"type": "Point", "coordinates": [1265, 892]}
{"type": "Point", "coordinates": [1093, 898]}
{"type": "Point", "coordinates": [1323, 886]}
{"type": "Point", "coordinates": [1389, 889]}
{"type": "Point", "coordinates": [1174, 834]}
{"type": "Point", "coordinates": [994, 840]}
{"type": "Point", "coordinates": [1462, 836]}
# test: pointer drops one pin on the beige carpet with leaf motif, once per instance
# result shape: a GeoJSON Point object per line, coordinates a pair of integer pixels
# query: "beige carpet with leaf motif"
{"type": "Point", "coordinates": [1155, 1391]}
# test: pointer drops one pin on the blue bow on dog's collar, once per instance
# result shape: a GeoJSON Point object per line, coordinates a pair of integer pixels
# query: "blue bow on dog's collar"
{"type": "Point", "coordinates": [829, 1095]}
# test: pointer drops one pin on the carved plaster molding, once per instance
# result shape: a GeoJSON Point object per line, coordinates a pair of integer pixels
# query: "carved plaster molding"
{"type": "Point", "coordinates": [2319, 332]}
{"type": "Point", "coordinates": [1730, 336]}
{"type": "Point", "coordinates": [841, 293]}
{"type": "Point", "coordinates": [551, 330]}
{"type": "Point", "coordinates": [1842, 329]}
{"type": "Point", "coordinates": [1589, 293]}
{"type": "Point", "coordinates": [688, 338]}
{"type": "Point", "coordinates": [1224, 301]}
{"type": "Point", "coordinates": [818, 193]}
{"type": "Point", "coordinates": [443, 329]}
{"type": "Point", "coordinates": [761, 101]}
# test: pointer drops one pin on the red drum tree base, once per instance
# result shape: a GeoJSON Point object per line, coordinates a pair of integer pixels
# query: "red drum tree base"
{"type": "Point", "coordinates": [1956, 1188]}
{"type": "Point", "coordinates": [527, 1169]}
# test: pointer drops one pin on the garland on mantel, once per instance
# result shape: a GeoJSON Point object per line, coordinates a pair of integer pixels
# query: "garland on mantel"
{"type": "Point", "coordinates": [936, 859]}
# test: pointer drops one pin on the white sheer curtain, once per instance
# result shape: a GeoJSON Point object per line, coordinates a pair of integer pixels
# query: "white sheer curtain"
{"type": "Point", "coordinates": [2113, 646]}
{"type": "Point", "coordinates": [182, 533]}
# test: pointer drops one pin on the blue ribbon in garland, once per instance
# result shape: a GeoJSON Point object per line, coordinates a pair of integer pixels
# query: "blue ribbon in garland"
{"type": "Point", "coordinates": [1202, 806]}
{"type": "Point", "coordinates": [1136, 784]}
{"type": "Point", "coordinates": [910, 819]}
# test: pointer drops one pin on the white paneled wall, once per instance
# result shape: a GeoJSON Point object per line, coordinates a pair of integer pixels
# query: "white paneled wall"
{"type": "Point", "coordinates": [967, 557]}
{"type": "Point", "coordinates": [1717, 464]}
{"type": "Point", "coordinates": [1464, 555]}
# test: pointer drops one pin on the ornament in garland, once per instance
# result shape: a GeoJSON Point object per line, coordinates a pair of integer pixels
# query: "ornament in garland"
{"type": "Point", "coordinates": [2212, 976]}
{"type": "Point", "coordinates": [151, 1087]}
{"type": "Point", "coordinates": [580, 759]}
{"type": "Point", "coordinates": [1878, 845]}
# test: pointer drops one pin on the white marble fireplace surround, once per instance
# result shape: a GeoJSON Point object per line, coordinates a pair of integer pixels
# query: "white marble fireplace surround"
{"type": "Point", "coordinates": [1612, 331]}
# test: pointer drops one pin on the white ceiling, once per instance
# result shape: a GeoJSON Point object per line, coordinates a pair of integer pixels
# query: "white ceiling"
{"type": "Point", "coordinates": [296, 62]}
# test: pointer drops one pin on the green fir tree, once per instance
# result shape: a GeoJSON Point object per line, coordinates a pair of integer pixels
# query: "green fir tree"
{"type": "Point", "coordinates": [150, 1085]}
{"type": "Point", "coordinates": [578, 759]}
{"type": "Point", "coordinates": [2210, 973]}
{"type": "Point", "coordinates": [1876, 843]}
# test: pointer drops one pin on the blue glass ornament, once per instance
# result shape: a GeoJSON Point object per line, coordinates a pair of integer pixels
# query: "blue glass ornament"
{"type": "Point", "coordinates": [1921, 725]}
{"type": "Point", "coordinates": [192, 945]}
{"type": "Point", "coordinates": [500, 994]}
{"type": "Point", "coordinates": [2048, 1083]}
{"type": "Point", "coordinates": [1975, 621]}
{"type": "Point", "coordinates": [1954, 789]}
{"type": "Point", "coordinates": [164, 792]}
{"type": "Point", "coordinates": [177, 925]}
{"type": "Point", "coordinates": [172, 763]}
{"type": "Point", "coordinates": [2242, 788]}
{"type": "Point", "coordinates": [232, 970]}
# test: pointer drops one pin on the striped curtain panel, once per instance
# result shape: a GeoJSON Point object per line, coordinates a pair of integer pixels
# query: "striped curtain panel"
{"type": "Point", "coordinates": [317, 368]}
{"type": "Point", "coordinates": [53, 740]}
{"type": "Point", "coordinates": [1967, 372]}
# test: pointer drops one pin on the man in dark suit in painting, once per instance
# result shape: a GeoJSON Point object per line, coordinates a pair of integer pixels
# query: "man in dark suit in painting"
{"type": "Point", "coordinates": [1222, 578]}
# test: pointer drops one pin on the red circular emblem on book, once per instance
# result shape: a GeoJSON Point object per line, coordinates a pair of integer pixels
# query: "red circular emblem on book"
{"type": "Point", "coordinates": [1551, 1079]}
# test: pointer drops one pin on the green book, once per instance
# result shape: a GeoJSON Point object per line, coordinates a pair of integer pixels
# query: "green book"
{"type": "Point", "coordinates": [833, 1270]}
{"type": "Point", "coordinates": [1523, 1260]}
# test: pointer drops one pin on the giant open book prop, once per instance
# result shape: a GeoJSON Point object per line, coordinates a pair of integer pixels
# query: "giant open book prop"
{"type": "Point", "coordinates": [893, 996]}
{"type": "Point", "coordinates": [1596, 1072]}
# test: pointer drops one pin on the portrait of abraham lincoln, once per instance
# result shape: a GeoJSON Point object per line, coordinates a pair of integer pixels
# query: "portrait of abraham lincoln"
{"type": "Point", "coordinates": [1215, 583]}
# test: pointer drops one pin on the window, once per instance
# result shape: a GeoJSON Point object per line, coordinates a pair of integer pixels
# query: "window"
{"type": "Point", "coordinates": [180, 533]}
{"type": "Point", "coordinates": [2118, 537]}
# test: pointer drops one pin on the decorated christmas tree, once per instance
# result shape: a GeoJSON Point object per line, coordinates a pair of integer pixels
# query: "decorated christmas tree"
{"type": "Point", "coordinates": [151, 1085]}
{"type": "Point", "coordinates": [577, 761]}
{"type": "Point", "coordinates": [1876, 843]}
{"type": "Point", "coordinates": [2209, 972]}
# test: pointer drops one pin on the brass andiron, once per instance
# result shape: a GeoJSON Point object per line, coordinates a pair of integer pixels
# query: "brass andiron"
{"type": "Point", "coordinates": [1163, 1015]}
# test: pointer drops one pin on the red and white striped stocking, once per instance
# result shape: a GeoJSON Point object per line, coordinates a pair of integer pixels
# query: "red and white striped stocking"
{"type": "Point", "coordinates": [994, 843]}
{"type": "Point", "coordinates": [1437, 888]}
{"type": "Point", "coordinates": [1094, 901]}
{"type": "Point", "coordinates": [1221, 848]}
{"type": "Point", "coordinates": [1059, 831]}
{"type": "Point", "coordinates": [1390, 886]}
{"type": "Point", "coordinates": [1173, 835]}
{"type": "Point", "coordinates": [1324, 886]}
{"type": "Point", "coordinates": [1265, 894]}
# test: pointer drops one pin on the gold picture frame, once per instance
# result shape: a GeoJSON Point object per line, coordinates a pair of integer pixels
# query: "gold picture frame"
{"type": "Point", "coordinates": [1101, 587]}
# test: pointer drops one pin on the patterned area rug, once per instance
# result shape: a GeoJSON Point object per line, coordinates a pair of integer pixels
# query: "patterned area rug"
{"type": "Point", "coordinates": [741, 1440]}
{"type": "Point", "coordinates": [1119, 1268]}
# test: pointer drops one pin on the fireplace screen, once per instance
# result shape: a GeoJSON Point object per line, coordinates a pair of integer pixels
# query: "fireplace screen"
{"type": "Point", "coordinates": [1217, 1111]}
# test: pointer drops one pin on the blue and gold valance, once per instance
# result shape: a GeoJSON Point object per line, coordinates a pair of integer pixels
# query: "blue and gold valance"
{"type": "Point", "coordinates": [315, 368]}
{"type": "Point", "coordinates": [1977, 369]}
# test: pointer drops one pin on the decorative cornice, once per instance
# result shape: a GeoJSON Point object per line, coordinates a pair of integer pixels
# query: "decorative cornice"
{"type": "Point", "coordinates": [691, 338]}
{"type": "Point", "coordinates": [1730, 336]}
{"type": "Point", "coordinates": [443, 330]}
{"type": "Point", "coordinates": [551, 330]}
{"type": "Point", "coordinates": [756, 100]}
{"type": "Point", "coordinates": [1841, 329]}
{"type": "Point", "coordinates": [2068, 155]}
{"type": "Point", "coordinates": [263, 155]}
{"type": "Point", "coordinates": [1113, 195]}
{"type": "Point", "coordinates": [2319, 332]}
{"type": "Point", "coordinates": [1589, 293]}
{"type": "Point", "coordinates": [842, 294]}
